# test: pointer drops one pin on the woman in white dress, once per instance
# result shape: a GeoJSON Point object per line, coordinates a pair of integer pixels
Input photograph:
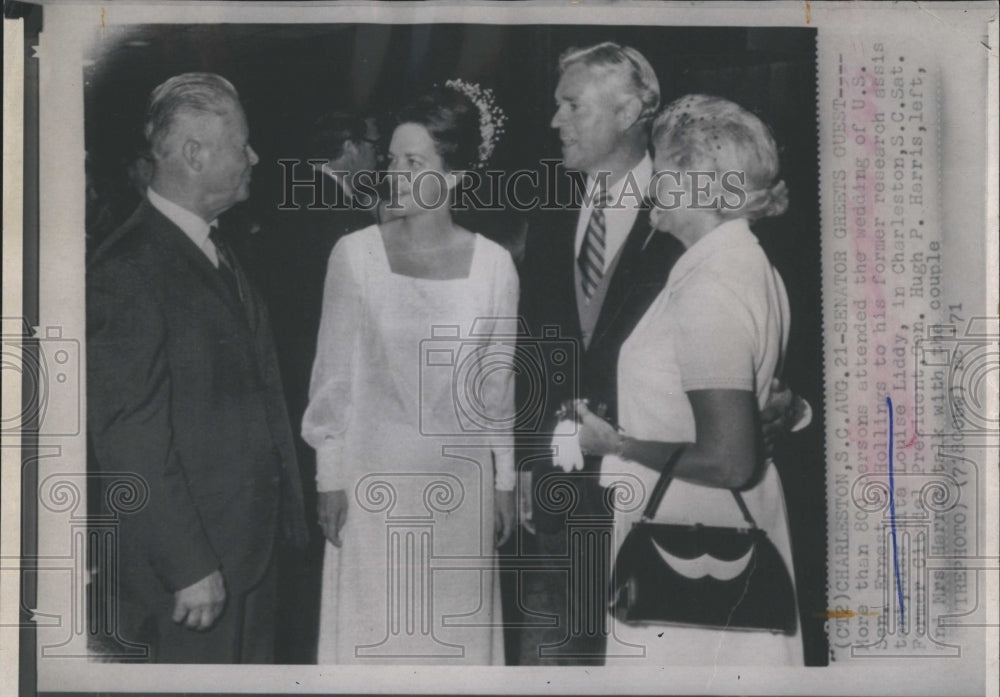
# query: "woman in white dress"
{"type": "Point", "coordinates": [411, 410]}
{"type": "Point", "coordinates": [698, 367]}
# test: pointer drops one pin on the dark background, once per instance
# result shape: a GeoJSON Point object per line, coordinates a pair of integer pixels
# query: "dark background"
{"type": "Point", "coordinates": [287, 75]}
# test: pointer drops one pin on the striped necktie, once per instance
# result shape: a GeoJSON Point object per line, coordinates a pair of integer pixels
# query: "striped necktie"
{"type": "Point", "coordinates": [591, 259]}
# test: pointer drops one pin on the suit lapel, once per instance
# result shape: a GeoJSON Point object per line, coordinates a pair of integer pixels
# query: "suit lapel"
{"type": "Point", "coordinates": [551, 275]}
{"type": "Point", "coordinates": [626, 275]}
{"type": "Point", "coordinates": [190, 256]}
{"type": "Point", "coordinates": [566, 256]}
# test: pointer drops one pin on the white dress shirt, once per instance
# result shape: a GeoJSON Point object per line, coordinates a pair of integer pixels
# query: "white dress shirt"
{"type": "Point", "coordinates": [625, 200]}
{"type": "Point", "coordinates": [191, 223]}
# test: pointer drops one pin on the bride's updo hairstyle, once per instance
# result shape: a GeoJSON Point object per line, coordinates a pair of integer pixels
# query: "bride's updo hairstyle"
{"type": "Point", "coordinates": [702, 133]}
{"type": "Point", "coordinates": [452, 121]}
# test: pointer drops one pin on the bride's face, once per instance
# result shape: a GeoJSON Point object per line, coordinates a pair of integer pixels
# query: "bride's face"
{"type": "Point", "coordinates": [417, 176]}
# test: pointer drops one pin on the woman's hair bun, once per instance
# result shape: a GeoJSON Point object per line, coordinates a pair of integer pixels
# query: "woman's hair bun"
{"type": "Point", "coordinates": [767, 203]}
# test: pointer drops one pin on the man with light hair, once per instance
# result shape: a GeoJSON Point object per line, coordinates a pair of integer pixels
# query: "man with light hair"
{"type": "Point", "coordinates": [184, 392]}
{"type": "Point", "coordinates": [590, 272]}
{"type": "Point", "coordinates": [606, 98]}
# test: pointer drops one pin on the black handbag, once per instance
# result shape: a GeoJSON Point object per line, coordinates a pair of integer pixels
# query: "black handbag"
{"type": "Point", "coordinates": [662, 576]}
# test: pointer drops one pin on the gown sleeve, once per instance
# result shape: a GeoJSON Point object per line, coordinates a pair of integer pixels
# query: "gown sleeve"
{"type": "Point", "coordinates": [500, 386]}
{"type": "Point", "coordinates": [331, 387]}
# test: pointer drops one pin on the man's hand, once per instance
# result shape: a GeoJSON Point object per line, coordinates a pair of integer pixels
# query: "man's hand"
{"type": "Point", "coordinates": [504, 515]}
{"type": "Point", "coordinates": [332, 509]}
{"type": "Point", "coordinates": [199, 605]}
{"type": "Point", "coordinates": [597, 436]}
{"type": "Point", "coordinates": [784, 412]}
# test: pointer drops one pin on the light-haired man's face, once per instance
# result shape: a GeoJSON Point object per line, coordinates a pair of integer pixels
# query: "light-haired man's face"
{"type": "Point", "coordinates": [588, 102]}
{"type": "Point", "coordinates": [229, 159]}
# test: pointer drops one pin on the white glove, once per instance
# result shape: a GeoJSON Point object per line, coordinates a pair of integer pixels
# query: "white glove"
{"type": "Point", "coordinates": [803, 414]}
{"type": "Point", "coordinates": [566, 453]}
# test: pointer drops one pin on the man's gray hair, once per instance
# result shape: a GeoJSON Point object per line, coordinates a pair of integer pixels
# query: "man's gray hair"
{"type": "Point", "coordinates": [185, 94]}
{"type": "Point", "coordinates": [627, 62]}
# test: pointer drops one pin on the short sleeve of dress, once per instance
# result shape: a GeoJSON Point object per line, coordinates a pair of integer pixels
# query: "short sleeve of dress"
{"type": "Point", "coordinates": [715, 338]}
{"type": "Point", "coordinates": [328, 414]}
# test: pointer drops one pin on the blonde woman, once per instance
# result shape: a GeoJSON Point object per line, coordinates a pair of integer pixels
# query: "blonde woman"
{"type": "Point", "coordinates": [698, 367]}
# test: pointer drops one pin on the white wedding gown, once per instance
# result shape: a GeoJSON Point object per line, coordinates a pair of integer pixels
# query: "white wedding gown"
{"type": "Point", "coordinates": [411, 407]}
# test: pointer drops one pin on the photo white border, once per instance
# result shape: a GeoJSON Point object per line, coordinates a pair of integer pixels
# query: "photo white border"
{"type": "Point", "coordinates": [61, 201]}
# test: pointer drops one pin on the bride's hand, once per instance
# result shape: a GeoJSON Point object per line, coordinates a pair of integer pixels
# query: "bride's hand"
{"type": "Point", "coordinates": [597, 436]}
{"type": "Point", "coordinates": [332, 509]}
{"type": "Point", "coordinates": [504, 516]}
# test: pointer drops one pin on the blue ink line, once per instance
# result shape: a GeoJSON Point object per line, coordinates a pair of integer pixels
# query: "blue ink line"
{"type": "Point", "coordinates": [892, 521]}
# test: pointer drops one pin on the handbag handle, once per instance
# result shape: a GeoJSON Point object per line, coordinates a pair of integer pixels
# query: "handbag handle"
{"type": "Point", "coordinates": [656, 497]}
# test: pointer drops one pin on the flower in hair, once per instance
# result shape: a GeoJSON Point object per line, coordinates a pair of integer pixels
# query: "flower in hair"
{"type": "Point", "coordinates": [492, 118]}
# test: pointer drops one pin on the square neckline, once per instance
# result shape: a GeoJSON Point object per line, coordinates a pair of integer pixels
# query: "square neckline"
{"type": "Point", "coordinates": [380, 240]}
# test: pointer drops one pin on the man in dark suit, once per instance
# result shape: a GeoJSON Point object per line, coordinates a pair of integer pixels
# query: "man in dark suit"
{"type": "Point", "coordinates": [590, 272]}
{"type": "Point", "coordinates": [184, 390]}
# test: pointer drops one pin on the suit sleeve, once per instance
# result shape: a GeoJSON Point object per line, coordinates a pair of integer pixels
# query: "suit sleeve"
{"type": "Point", "coordinates": [328, 415]}
{"type": "Point", "coordinates": [129, 417]}
{"type": "Point", "coordinates": [535, 308]}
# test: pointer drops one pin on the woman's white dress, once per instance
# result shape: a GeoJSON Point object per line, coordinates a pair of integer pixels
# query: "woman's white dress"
{"type": "Point", "coordinates": [411, 410]}
{"type": "Point", "coordinates": [721, 322]}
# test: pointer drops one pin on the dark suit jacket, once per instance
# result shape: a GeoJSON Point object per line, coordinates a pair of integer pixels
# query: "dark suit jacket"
{"type": "Point", "coordinates": [184, 390]}
{"type": "Point", "coordinates": [548, 300]}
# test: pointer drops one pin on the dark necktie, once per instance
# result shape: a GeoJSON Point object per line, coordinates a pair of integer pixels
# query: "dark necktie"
{"type": "Point", "coordinates": [227, 263]}
{"type": "Point", "coordinates": [591, 259]}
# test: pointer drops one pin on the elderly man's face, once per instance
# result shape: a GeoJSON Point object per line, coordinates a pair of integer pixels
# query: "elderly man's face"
{"type": "Point", "coordinates": [587, 105]}
{"type": "Point", "coordinates": [230, 159]}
